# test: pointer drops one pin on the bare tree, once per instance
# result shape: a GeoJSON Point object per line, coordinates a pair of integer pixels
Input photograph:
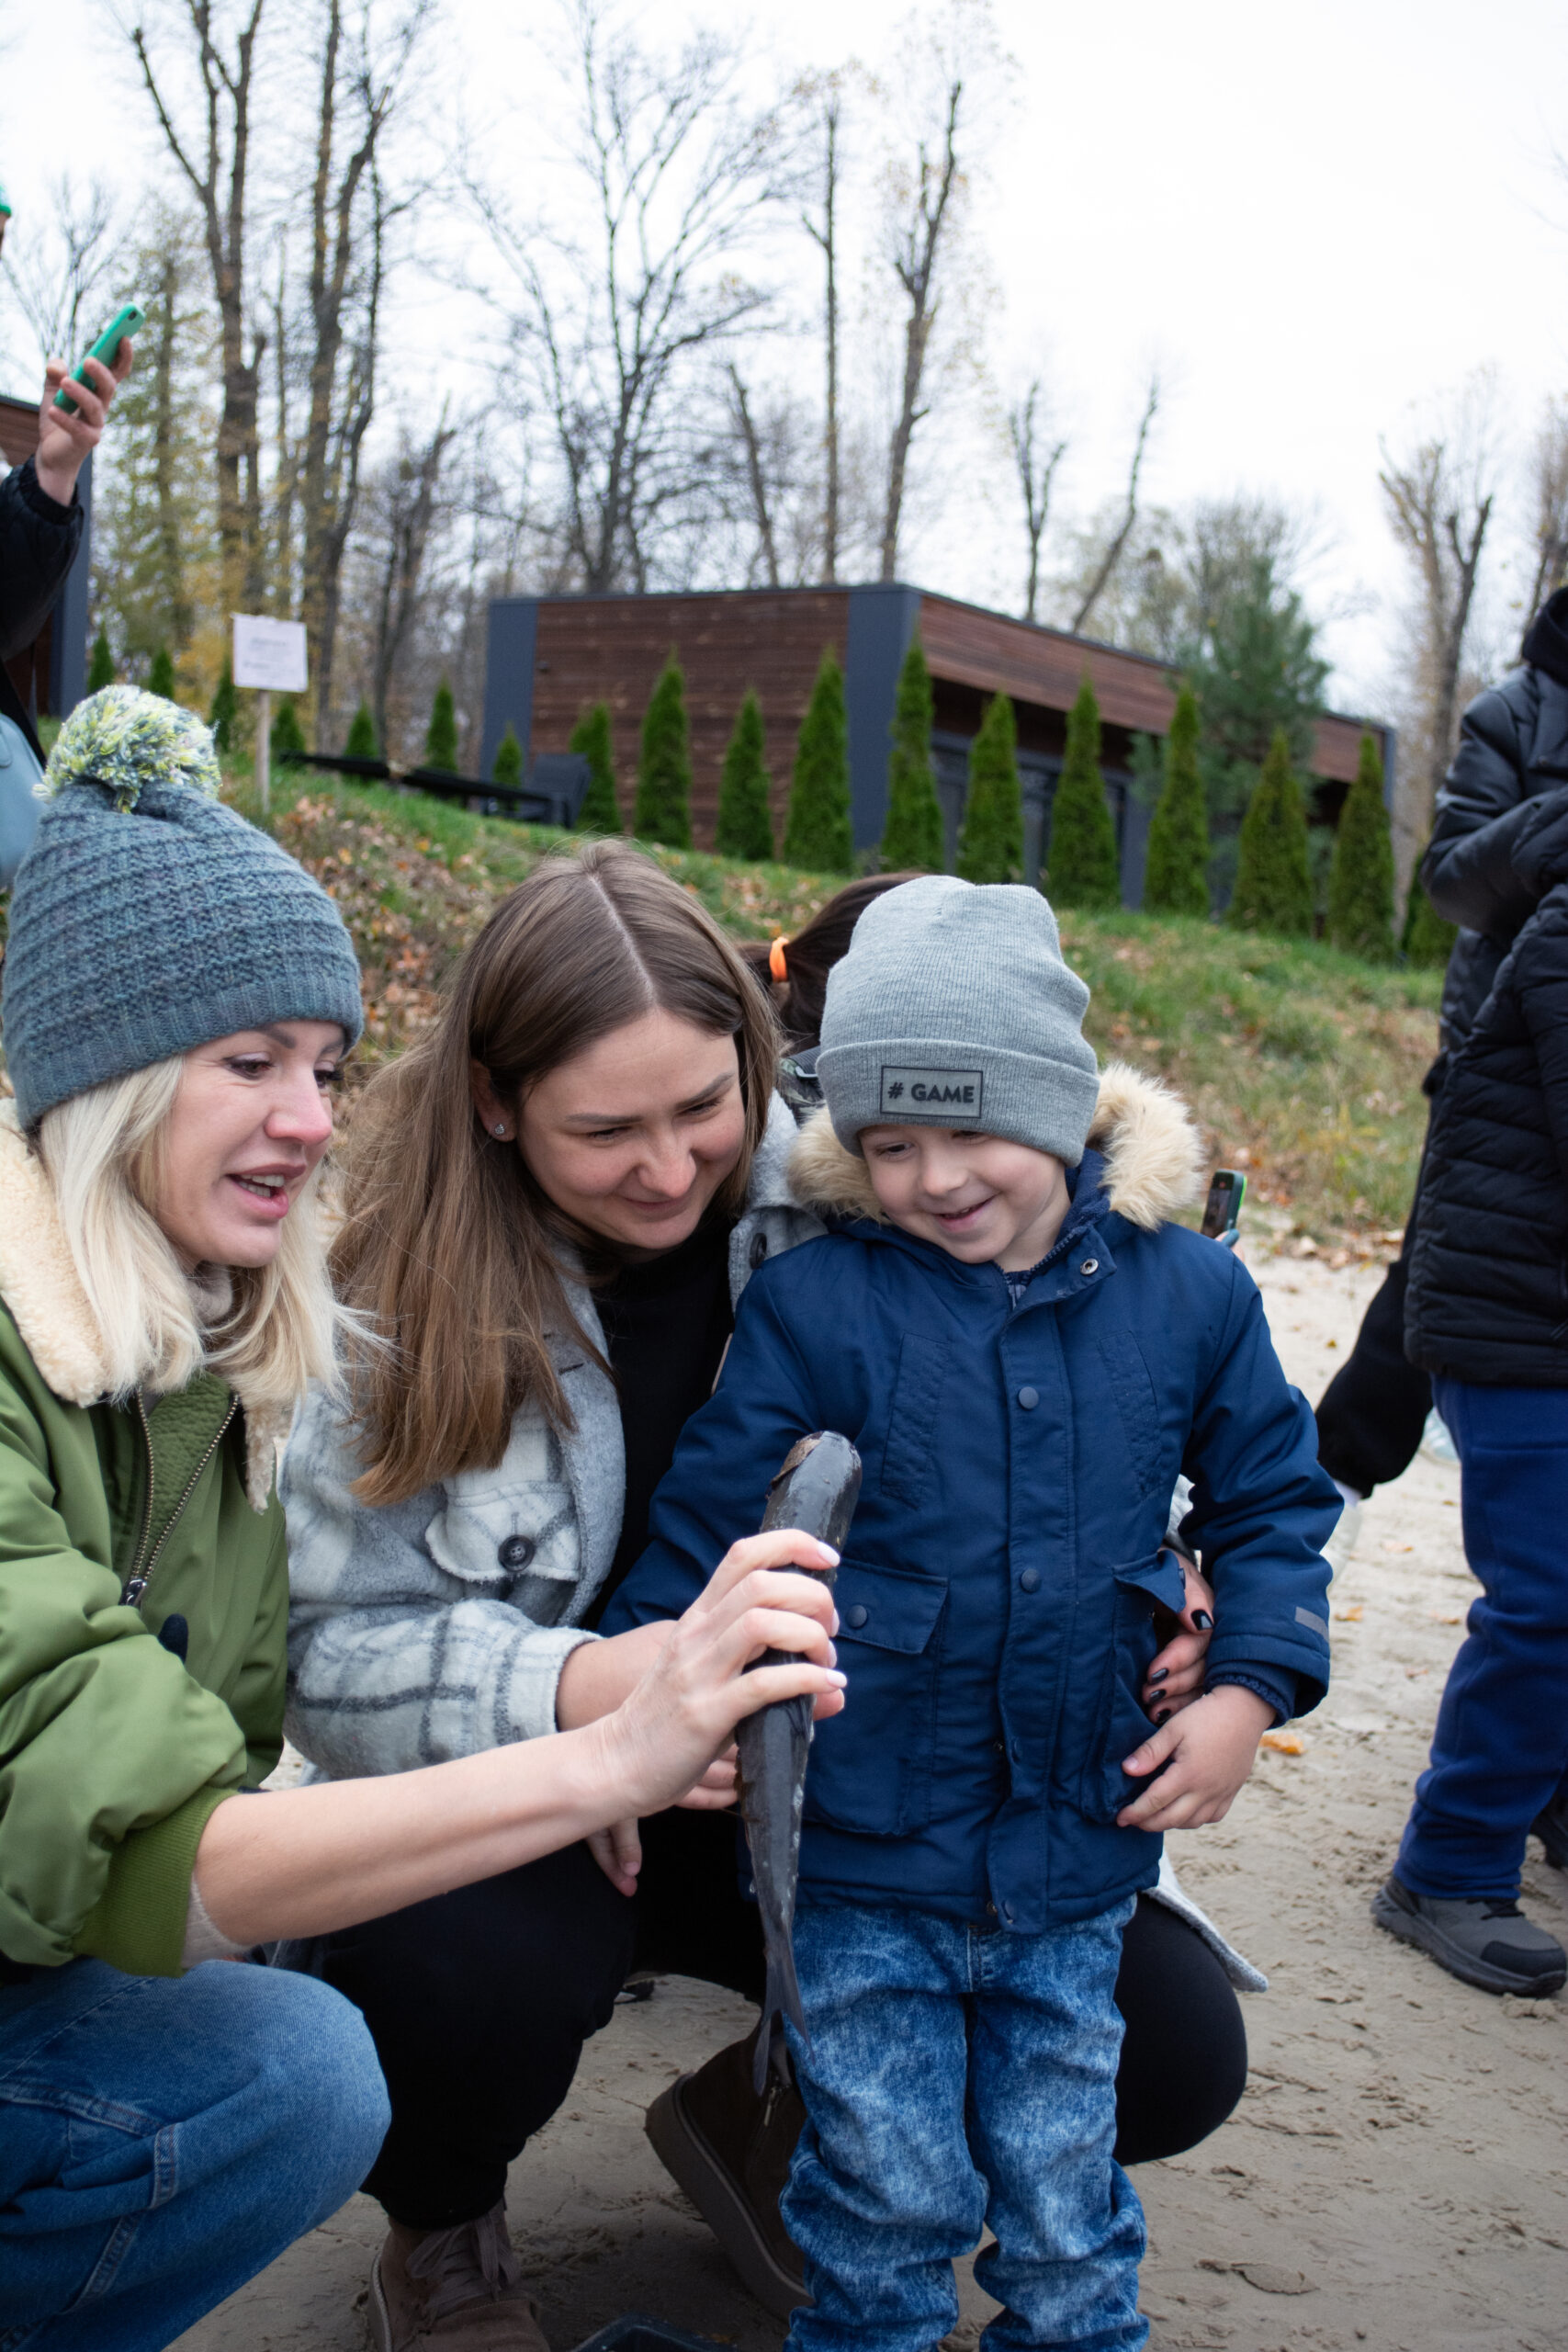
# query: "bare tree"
{"type": "Point", "coordinates": [826, 232]}
{"type": "Point", "coordinates": [1036, 473]}
{"type": "Point", "coordinates": [1438, 497]}
{"type": "Point", "coordinates": [756, 477]}
{"type": "Point", "coordinates": [1549, 482]}
{"type": "Point", "coordinates": [916, 251]}
{"type": "Point", "coordinates": [408, 502]}
{"type": "Point", "coordinates": [211, 146]}
{"type": "Point", "coordinates": [680, 175]}
{"type": "Point", "coordinates": [61, 280]}
{"type": "Point", "coordinates": [1117, 543]}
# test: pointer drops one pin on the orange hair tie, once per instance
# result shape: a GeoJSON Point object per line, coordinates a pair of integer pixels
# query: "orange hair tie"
{"type": "Point", "coordinates": [776, 959]}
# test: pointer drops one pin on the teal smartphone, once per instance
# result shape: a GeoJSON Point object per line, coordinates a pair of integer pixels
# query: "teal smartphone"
{"type": "Point", "coordinates": [126, 322]}
{"type": "Point", "coordinates": [1223, 1208]}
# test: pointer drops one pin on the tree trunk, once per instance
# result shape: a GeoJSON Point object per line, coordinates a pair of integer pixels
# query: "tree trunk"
{"type": "Point", "coordinates": [915, 266]}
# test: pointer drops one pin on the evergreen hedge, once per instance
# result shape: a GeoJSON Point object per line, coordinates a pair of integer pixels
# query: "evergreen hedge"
{"type": "Point", "coordinates": [744, 825]}
{"type": "Point", "coordinates": [990, 848]}
{"type": "Point", "coordinates": [1084, 870]}
{"type": "Point", "coordinates": [361, 743]}
{"type": "Point", "coordinates": [1273, 875]}
{"type": "Point", "coordinates": [507, 766]}
{"type": "Point", "coordinates": [441, 735]}
{"type": "Point", "coordinates": [161, 676]}
{"type": "Point", "coordinates": [1427, 940]}
{"type": "Point", "coordinates": [101, 671]}
{"type": "Point", "coordinates": [223, 717]}
{"type": "Point", "coordinates": [816, 831]}
{"type": "Point", "coordinates": [663, 811]}
{"type": "Point", "coordinates": [285, 731]}
{"type": "Point", "coordinates": [913, 834]}
{"type": "Point", "coordinates": [1176, 875]}
{"type": "Point", "coordinates": [1360, 872]}
{"type": "Point", "coordinates": [601, 810]}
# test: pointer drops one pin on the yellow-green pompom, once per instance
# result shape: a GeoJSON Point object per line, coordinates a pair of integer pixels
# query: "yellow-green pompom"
{"type": "Point", "coordinates": [121, 739]}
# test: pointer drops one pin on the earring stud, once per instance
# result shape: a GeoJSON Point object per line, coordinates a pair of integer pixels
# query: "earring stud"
{"type": "Point", "coordinates": [500, 1131]}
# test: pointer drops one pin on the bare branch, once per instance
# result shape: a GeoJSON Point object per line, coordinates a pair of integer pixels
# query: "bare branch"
{"type": "Point", "coordinates": [1112, 555]}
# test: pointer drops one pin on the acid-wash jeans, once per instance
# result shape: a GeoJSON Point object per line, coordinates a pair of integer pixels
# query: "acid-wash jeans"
{"type": "Point", "coordinates": [1500, 1749]}
{"type": "Point", "coordinates": [162, 2139]}
{"type": "Point", "coordinates": [956, 2078]}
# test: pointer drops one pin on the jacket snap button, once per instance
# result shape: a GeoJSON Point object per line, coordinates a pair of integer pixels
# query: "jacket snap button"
{"type": "Point", "coordinates": [1030, 1581]}
{"type": "Point", "coordinates": [856, 1616]}
{"type": "Point", "coordinates": [1029, 1398]}
{"type": "Point", "coordinates": [1089, 1266]}
{"type": "Point", "coordinates": [759, 1250]}
{"type": "Point", "coordinates": [516, 1551]}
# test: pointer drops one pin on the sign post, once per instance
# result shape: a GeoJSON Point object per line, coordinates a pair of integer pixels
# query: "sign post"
{"type": "Point", "coordinates": [269, 656]}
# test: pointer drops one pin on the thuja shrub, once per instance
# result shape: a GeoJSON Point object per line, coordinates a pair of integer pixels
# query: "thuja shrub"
{"type": "Point", "coordinates": [990, 848]}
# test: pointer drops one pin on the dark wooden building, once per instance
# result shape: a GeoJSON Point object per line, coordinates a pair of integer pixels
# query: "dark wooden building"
{"type": "Point", "coordinates": [551, 656]}
{"type": "Point", "coordinates": [50, 674]}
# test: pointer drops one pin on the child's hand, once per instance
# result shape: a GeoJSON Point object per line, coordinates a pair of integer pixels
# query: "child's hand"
{"type": "Point", "coordinates": [1212, 1745]}
{"type": "Point", "coordinates": [1175, 1674]}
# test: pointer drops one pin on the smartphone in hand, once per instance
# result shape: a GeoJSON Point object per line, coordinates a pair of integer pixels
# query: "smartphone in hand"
{"type": "Point", "coordinates": [1223, 1208]}
{"type": "Point", "coordinates": [128, 320]}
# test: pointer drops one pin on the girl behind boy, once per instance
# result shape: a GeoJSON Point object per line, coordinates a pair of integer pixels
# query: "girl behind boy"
{"type": "Point", "coordinates": [1026, 1353]}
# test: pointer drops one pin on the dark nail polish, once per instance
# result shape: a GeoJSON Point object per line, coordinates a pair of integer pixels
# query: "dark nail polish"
{"type": "Point", "coordinates": [1202, 1619]}
{"type": "Point", "coordinates": [1164, 1718]}
{"type": "Point", "coordinates": [1160, 1677]}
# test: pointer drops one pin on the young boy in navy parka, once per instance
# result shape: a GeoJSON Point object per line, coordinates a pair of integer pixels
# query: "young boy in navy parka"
{"type": "Point", "coordinates": [1026, 1353]}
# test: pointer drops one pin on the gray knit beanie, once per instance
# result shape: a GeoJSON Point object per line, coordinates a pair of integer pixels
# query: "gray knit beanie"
{"type": "Point", "coordinates": [953, 1009]}
{"type": "Point", "coordinates": [147, 918]}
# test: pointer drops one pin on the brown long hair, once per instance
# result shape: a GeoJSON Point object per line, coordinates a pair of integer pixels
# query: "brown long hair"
{"type": "Point", "coordinates": [448, 1246]}
{"type": "Point", "coordinates": [811, 955]}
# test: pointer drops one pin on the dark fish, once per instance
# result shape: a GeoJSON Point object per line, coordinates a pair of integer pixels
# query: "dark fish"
{"type": "Point", "coordinates": [816, 1490]}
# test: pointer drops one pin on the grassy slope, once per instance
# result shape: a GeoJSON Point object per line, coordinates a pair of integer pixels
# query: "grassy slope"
{"type": "Point", "coordinates": [1304, 1064]}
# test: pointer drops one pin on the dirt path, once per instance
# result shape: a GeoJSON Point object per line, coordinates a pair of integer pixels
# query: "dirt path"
{"type": "Point", "coordinates": [1396, 2173]}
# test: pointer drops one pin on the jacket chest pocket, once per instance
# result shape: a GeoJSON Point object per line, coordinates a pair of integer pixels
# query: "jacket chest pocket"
{"type": "Point", "coordinates": [1119, 1725]}
{"type": "Point", "coordinates": [519, 1545]}
{"type": "Point", "coordinates": [871, 1767]}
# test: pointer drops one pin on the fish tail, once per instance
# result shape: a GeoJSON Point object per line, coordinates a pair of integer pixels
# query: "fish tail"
{"type": "Point", "coordinates": [782, 1999]}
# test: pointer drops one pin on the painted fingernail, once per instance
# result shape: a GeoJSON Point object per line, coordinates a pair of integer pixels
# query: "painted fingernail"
{"type": "Point", "coordinates": [840, 1678]}
{"type": "Point", "coordinates": [1202, 1619]}
{"type": "Point", "coordinates": [828, 1555]}
{"type": "Point", "coordinates": [1165, 1716]}
{"type": "Point", "coordinates": [1160, 1676]}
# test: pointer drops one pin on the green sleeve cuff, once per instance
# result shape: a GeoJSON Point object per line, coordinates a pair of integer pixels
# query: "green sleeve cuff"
{"type": "Point", "coordinates": [137, 1924]}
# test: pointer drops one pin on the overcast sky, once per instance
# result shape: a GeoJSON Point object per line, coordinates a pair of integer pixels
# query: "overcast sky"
{"type": "Point", "coordinates": [1315, 218]}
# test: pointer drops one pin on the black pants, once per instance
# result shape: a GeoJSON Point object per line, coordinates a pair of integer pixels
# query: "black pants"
{"type": "Point", "coordinates": [481, 2001]}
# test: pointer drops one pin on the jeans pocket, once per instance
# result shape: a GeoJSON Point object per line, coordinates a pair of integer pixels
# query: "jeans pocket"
{"type": "Point", "coordinates": [1139, 1587]}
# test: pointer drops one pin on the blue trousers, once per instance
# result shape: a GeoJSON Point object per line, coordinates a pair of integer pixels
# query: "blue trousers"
{"type": "Point", "coordinates": [162, 2139]}
{"type": "Point", "coordinates": [955, 2078]}
{"type": "Point", "coordinates": [1501, 1744]}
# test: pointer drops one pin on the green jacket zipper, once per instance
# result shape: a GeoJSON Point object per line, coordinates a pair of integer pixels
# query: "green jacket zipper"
{"type": "Point", "coordinates": [136, 1584]}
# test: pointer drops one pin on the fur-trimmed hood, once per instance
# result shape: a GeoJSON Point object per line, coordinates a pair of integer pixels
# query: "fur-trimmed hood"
{"type": "Point", "coordinates": [39, 1284]}
{"type": "Point", "coordinates": [1154, 1155]}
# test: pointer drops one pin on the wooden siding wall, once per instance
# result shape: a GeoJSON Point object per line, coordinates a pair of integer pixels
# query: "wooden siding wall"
{"type": "Point", "coordinates": [612, 649]}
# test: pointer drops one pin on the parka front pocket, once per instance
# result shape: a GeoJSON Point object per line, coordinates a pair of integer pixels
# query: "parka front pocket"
{"type": "Point", "coordinates": [1140, 1586]}
{"type": "Point", "coordinates": [871, 1767]}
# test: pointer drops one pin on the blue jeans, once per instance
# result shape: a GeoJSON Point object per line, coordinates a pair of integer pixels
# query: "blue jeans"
{"type": "Point", "coordinates": [954, 2078]}
{"type": "Point", "coordinates": [1501, 1744]}
{"type": "Point", "coordinates": [162, 2139]}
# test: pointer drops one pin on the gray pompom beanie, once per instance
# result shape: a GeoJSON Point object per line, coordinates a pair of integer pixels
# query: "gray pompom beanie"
{"type": "Point", "coordinates": [953, 1009]}
{"type": "Point", "coordinates": [147, 918]}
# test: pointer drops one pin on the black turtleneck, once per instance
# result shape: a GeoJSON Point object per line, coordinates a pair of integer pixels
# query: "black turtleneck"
{"type": "Point", "coordinates": [666, 1324]}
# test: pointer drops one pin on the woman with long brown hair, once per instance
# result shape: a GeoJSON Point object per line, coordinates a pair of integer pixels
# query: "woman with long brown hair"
{"type": "Point", "coordinates": [553, 1202]}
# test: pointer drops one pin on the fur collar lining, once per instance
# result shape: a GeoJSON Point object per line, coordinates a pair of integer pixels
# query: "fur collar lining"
{"type": "Point", "coordinates": [39, 1284]}
{"type": "Point", "coordinates": [1154, 1155]}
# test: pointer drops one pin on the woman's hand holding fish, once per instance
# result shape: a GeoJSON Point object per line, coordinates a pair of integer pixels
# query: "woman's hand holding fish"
{"type": "Point", "coordinates": [668, 1738]}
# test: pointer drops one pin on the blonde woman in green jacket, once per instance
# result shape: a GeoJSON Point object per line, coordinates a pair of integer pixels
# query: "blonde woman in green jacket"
{"type": "Point", "coordinates": [178, 996]}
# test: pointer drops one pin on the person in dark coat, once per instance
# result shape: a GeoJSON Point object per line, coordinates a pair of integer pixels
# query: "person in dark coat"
{"type": "Point", "coordinates": [40, 529]}
{"type": "Point", "coordinates": [1481, 870]}
{"type": "Point", "coordinates": [1486, 1317]}
{"type": "Point", "coordinates": [1026, 1352]}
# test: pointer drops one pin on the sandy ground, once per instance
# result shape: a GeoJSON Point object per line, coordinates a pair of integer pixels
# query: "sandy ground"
{"type": "Point", "coordinates": [1396, 2174]}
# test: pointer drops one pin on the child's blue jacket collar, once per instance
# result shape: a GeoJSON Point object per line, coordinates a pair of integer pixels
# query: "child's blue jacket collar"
{"type": "Point", "coordinates": [1088, 1209]}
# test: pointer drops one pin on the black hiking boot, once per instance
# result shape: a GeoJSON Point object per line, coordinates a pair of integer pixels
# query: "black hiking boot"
{"type": "Point", "coordinates": [1551, 1826]}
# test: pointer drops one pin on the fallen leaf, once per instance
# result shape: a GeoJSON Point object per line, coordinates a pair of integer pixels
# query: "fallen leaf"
{"type": "Point", "coordinates": [1350, 1616]}
{"type": "Point", "coordinates": [1285, 1743]}
{"type": "Point", "coordinates": [1392, 1548]}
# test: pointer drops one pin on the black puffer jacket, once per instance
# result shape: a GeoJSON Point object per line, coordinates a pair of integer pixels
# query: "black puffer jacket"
{"type": "Point", "coordinates": [1483, 869]}
{"type": "Point", "coordinates": [1488, 1289]}
{"type": "Point", "coordinates": [37, 540]}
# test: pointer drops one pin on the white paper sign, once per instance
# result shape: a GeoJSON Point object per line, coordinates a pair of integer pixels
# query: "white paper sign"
{"type": "Point", "coordinates": [269, 653]}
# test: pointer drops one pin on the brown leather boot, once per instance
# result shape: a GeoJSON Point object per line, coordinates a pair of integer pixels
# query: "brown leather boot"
{"type": "Point", "coordinates": [730, 2152]}
{"type": "Point", "coordinates": [455, 2290]}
